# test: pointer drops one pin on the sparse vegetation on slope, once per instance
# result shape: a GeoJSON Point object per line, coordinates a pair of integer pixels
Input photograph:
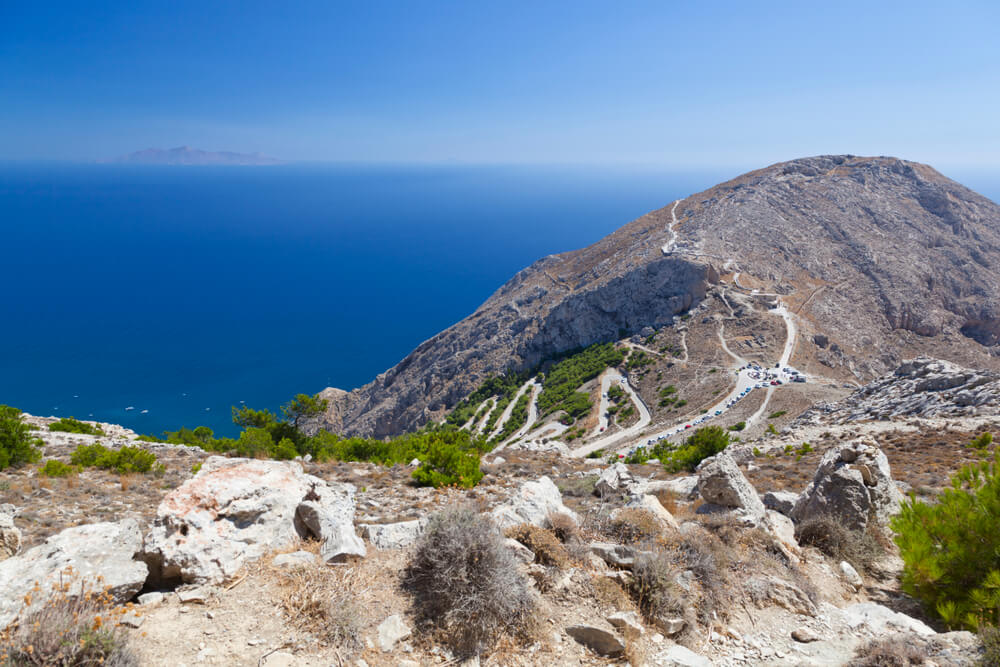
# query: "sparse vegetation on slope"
{"type": "Point", "coordinates": [17, 445]}
{"type": "Point", "coordinates": [73, 425]}
{"type": "Point", "coordinates": [566, 375]}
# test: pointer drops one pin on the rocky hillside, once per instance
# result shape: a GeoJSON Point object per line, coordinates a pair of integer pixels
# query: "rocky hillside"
{"type": "Point", "coordinates": [879, 260]}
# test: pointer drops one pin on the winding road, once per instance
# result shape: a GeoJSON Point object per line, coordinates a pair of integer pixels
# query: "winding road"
{"type": "Point", "coordinates": [630, 432]}
{"type": "Point", "coordinates": [668, 247]}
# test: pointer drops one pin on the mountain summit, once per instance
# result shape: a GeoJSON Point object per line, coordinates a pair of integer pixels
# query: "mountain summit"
{"type": "Point", "coordinates": [185, 155]}
{"type": "Point", "coordinates": [877, 259]}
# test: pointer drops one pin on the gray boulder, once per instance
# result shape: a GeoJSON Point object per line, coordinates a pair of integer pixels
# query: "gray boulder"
{"type": "Point", "coordinates": [10, 535]}
{"type": "Point", "coordinates": [393, 535]}
{"type": "Point", "coordinates": [781, 501]}
{"type": "Point", "coordinates": [600, 641]}
{"type": "Point", "coordinates": [96, 557]}
{"type": "Point", "coordinates": [235, 510]}
{"type": "Point", "coordinates": [615, 480]}
{"type": "Point", "coordinates": [532, 503]}
{"type": "Point", "coordinates": [722, 483]}
{"type": "Point", "coordinates": [852, 483]}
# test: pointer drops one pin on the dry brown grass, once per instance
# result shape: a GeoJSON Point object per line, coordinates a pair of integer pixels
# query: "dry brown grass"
{"type": "Point", "coordinates": [543, 543]}
{"type": "Point", "coordinates": [323, 601]}
{"type": "Point", "coordinates": [894, 652]}
{"type": "Point", "coordinates": [564, 527]}
{"type": "Point", "coordinates": [609, 594]}
{"type": "Point", "coordinates": [635, 526]}
{"type": "Point", "coordinates": [863, 550]}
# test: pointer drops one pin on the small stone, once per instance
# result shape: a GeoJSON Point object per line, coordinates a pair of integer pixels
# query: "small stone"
{"type": "Point", "coordinates": [280, 659]}
{"type": "Point", "coordinates": [390, 631]}
{"type": "Point", "coordinates": [599, 640]}
{"type": "Point", "coordinates": [132, 620]}
{"type": "Point", "coordinates": [804, 635]}
{"type": "Point", "coordinates": [148, 599]}
{"type": "Point", "coordinates": [670, 626]}
{"type": "Point", "coordinates": [627, 623]}
{"type": "Point", "coordinates": [851, 575]}
{"type": "Point", "coordinates": [199, 595]}
{"type": "Point", "coordinates": [255, 642]}
{"type": "Point", "coordinates": [294, 560]}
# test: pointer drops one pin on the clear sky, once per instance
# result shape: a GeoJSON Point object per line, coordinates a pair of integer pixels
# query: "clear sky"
{"type": "Point", "coordinates": [661, 83]}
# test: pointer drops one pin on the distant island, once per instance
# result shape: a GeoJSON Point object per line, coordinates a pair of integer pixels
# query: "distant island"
{"type": "Point", "coordinates": [186, 156]}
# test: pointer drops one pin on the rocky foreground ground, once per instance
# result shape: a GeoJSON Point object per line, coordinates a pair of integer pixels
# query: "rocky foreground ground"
{"type": "Point", "coordinates": [250, 562]}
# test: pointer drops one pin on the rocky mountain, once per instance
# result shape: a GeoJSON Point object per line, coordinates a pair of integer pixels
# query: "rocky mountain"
{"type": "Point", "coordinates": [187, 156]}
{"type": "Point", "coordinates": [878, 259]}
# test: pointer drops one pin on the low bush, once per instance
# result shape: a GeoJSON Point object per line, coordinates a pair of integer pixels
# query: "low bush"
{"type": "Point", "coordinates": [579, 487]}
{"type": "Point", "coordinates": [738, 426]}
{"type": "Point", "coordinates": [71, 629]}
{"type": "Point", "coordinates": [951, 549]}
{"type": "Point", "coordinates": [124, 460]}
{"type": "Point", "coordinates": [466, 582]}
{"type": "Point", "coordinates": [779, 413]}
{"type": "Point", "coordinates": [632, 525]}
{"type": "Point", "coordinates": [655, 588]}
{"type": "Point", "coordinates": [563, 526]}
{"type": "Point", "coordinates": [543, 543]}
{"type": "Point", "coordinates": [705, 442]}
{"type": "Point", "coordinates": [445, 464]}
{"type": "Point", "coordinates": [891, 652]}
{"type": "Point", "coordinates": [72, 425]}
{"type": "Point", "coordinates": [861, 549]}
{"type": "Point", "coordinates": [56, 468]}
{"type": "Point", "coordinates": [17, 445]}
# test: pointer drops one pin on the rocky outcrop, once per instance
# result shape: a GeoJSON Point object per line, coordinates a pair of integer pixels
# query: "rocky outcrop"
{"type": "Point", "coordinates": [10, 535]}
{"type": "Point", "coordinates": [721, 483]}
{"type": "Point", "coordinates": [921, 387]}
{"type": "Point", "coordinates": [907, 260]}
{"type": "Point", "coordinates": [97, 557]}
{"type": "Point", "coordinates": [393, 535]}
{"type": "Point", "coordinates": [532, 503]}
{"type": "Point", "coordinates": [852, 485]}
{"type": "Point", "coordinates": [234, 510]}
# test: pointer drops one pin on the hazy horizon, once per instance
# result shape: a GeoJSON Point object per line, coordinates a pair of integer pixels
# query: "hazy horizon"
{"type": "Point", "coordinates": [646, 84]}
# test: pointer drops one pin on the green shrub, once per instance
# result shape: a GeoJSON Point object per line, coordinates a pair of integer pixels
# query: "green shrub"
{"type": "Point", "coordinates": [466, 582]}
{"type": "Point", "coordinates": [596, 454]}
{"type": "Point", "coordinates": [577, 405]}
{"type": "Point", "coordinates": [775, 415]}
{"type": "Point", "coordinates": [56, 468]}
{"type": "Point", "coordinates": [705, 442]}
{"type": "Point", "coordinates": [196, 468]}
{"type": "Point", "coordinates": [124, 460]}
{"type": "Point", "coordinates": [17, 445]}
{"type": "Point", "coordinates": [738, 426]}
{"type": "Point", "coordinates": [71, 425]}
{"type": "Point", "coordinates": [518, 417]}
{"type": "Point", "coordinates": [639, 456]}
{"type": "Point", "coordinates": [446, 464]}
{"type": "Point", "coordinates": [951, 549]}
{"type": "Point", "coordinates": [982, 442]}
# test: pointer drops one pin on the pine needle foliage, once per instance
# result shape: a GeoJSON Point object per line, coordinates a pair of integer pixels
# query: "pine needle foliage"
{"type": "Point", "coordinates": [951, 549]}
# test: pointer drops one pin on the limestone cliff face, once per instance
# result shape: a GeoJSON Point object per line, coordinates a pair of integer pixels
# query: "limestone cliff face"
{"type": "Point", "coordinates": [877, 256]}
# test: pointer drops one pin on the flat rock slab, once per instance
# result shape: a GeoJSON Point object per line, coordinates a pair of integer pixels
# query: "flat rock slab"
{"type": "Point", "coordinates": [600, 641]}
{"type": "Point", "coordinates": [97, 556]}
{"type": "Point", "coordinates": [390, 631]}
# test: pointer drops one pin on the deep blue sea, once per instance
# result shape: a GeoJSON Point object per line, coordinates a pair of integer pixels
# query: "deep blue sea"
{"type": "Point", "coordinates": [185, 291]}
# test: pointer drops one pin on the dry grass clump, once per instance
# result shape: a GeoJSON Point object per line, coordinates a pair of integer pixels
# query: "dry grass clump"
{"type": "Point", "coordinates": [319, 599]}
{"type": "Point", "coordinates": [655, 586]}
{"type": "Point", "coordinates": [466, 583]}
{"type": "Point", "coordinates": [564, 527]}
{"type": "Point", "coordinates": [579, 487]}
{"type": "Point", "coordinates": [69, 630]}
{"type": "Point", "coordinates": [609, 593]}
{"type": "Point", "coordinates": [861, 549]}
{"type": "Point", "coordinates": [894, 652]}
{"type": "Point", "coordinates": [544, 543]}
{"type": "Point", "coordinates": [632, 526]}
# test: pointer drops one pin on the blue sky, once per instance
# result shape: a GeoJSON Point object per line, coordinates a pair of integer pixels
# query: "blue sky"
{"type": "Point", "coordinates": [677, 84]}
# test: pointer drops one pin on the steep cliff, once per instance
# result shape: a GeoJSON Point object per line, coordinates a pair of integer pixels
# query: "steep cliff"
{"type": "Point", "coordinates": [878, 258]}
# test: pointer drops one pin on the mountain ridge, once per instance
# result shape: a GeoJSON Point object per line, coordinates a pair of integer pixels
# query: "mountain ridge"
{"type": "Point", "coordinates": [187, 156]}
{"type": "Point", "coordinates": [835, 236]}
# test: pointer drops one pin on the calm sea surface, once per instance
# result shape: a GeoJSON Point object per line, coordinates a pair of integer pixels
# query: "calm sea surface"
{"type": "Point", "coordinates": [184, 291]}
{"type": "Point", "coordinates": [181, 292]}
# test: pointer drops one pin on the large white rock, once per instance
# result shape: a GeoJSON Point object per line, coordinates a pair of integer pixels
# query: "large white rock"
{"type": "Point", "coordinates": [852, 483]}
{"type": "Point", "coordinates": [532, 503]}
{"type": "Point", "coordinates": [878, 619]}
{"type": "Point", "coordinates": [722, 483]}
{"type": "Point", "coordinates": [615, 479]}
{"type": "Point", "coordinates": [10, 535]}
{"type": "Point", "coordinates": [235, 510]}
{"type": "Point", "coordinates": [679, 656]}
{"type": "Point", "coordinates": [98, 556]}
